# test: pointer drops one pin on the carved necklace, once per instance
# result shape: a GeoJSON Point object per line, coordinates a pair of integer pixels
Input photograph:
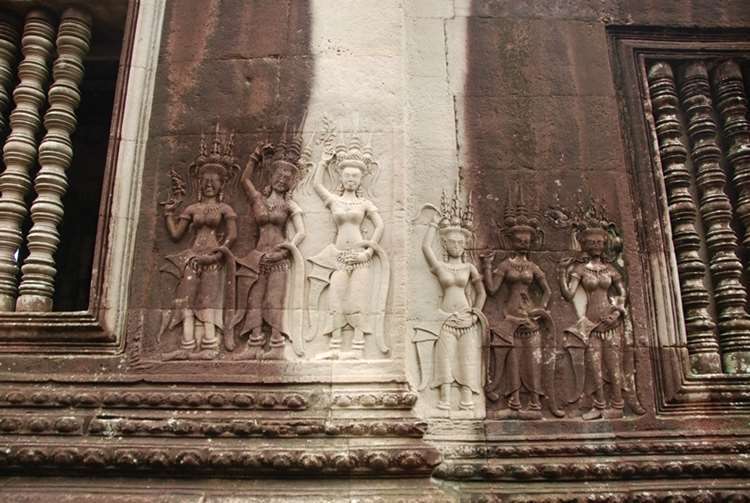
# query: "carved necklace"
{"type": "Point", "coordinates": [455, 268]}
{"type": "Point", "coordinates": [596, 268]}
{"type": "Point", "coordinates": [356, 202]}
{"type": "Point", "coordinates": [210, 208]}
{"type": "Point", "coordinates": [519, 264]}
{"type": "Point", "coordinates": [274, 205]}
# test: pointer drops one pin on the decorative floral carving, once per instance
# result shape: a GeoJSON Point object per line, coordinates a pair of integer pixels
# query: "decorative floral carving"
{"type": "Point", "coordinates": [375, 400]}
{"type": "Point", "coordinates": [156, 399]}
{"type": "Point", "coordinates": [234, 428]}
{"type": "Point", "coordinates": [411, 461]}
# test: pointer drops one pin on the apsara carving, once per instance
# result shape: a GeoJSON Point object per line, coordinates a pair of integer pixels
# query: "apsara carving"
{"type": "Point", "coordinates": [449, 344]}
{"type": "Point", "coordinates": [353, 272]}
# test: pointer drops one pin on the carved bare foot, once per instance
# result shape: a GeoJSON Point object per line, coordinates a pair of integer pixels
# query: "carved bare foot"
{"type": "Point", "coordinates": [506, 414]}
{"type": "Point", "coordinates": [592, 414]}
{"type": "Point", "coordinates": [636, 406]}
{"type": "Point", "coordinates": [443, 405]}
{"type": "Point", "coordinates": [530, 414]}
{"type": "Point", "coordinates": [614, 413]}
{"type": "Point", "coordinates": [274, 353]}
{"type": "Point", "coordinates": [466, 405]}
{"type": "Point", "coordinates": [205, 354]}
{"type": "Point", "coordinates": [351, 355]}
{"type": "Point", "coordinates": [249, 353]}
{"type": "Point", "coordinates": [492, 396]}
{"type": "Point", "coordinates": [328, 355]}
{"type": "Point", "coordinates": [180, 354]}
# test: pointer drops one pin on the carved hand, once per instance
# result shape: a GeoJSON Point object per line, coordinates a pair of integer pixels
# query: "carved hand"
{"type": "Point", "coordinates": [611, 320]}
{"type": "Point", "coordinates": [358, 257]}
{"type": "Point", "coordinates": [275, 255]}
{"type": "Point", "coordinates": [487, 258]}
{"type": "Point", "coordinates": [207, 259]}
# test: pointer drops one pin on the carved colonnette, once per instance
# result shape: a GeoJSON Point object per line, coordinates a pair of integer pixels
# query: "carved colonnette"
{"type": "Point", "coordinates": [19, 152]}
{"type": "Point", "coordinates": [55, 155]}
{"type": "Point", "coordinates": [716, 210]}
{"type": "Point", "coordinates": [8, 54]}
{"type": "Point", "coordinates": [700, 328]}
{"type": "Point", "coordinates": [695, 193]}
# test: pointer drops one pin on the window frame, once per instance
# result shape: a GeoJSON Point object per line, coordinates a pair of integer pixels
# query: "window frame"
{"type": "Point", "coordinates": [101, 327]}
{"type": "Point", "coordinates": [678, 391]}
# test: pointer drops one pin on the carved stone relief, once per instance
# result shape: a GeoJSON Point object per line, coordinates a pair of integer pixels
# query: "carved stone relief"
{"type": "Point", "coordinates": [243, 306]}
{"type": "Point", "coordinates": [598, 348]}
{"type": "Point", "coordinates": [449, 343]}
{"type": "Point", "coordinates": [271, 277]}
{"type": "Point", "coordinates": [522, 342]}
{"type": "Point", "coordinates": [349, 278]}
{"type": "Point", "coordinates": [203, 301]}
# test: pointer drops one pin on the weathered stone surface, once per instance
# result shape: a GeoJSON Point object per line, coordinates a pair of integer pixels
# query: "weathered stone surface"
{"type": "Point", "coordinates": [424, 250]}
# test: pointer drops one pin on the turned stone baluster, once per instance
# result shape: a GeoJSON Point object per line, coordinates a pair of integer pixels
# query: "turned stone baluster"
{"type": "Point", "coordinates": [55, 154]}
{"type": "Point", "coordinates": [732, 104]}
{"type": "Point", "coordinates": [20, 148]}
{"type": "Point", "coordinates": [8, 54]}
{"type": "Point", "coordinates": [716, 210]}
{"type": "Point", "coordinates": [702, 342]}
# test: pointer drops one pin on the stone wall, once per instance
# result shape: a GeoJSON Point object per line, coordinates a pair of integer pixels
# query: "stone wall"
{"type": "Point", "coordinates": [407, 250]}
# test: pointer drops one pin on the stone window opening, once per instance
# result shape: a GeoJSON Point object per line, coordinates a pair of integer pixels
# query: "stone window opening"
{"type": "Point", "coordinates": [63, 89]}
{"type": "Point", "coordinates": [67, 73]}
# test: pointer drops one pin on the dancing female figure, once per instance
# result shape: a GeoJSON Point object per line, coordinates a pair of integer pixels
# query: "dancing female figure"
{"type": "Point", "coordinates": [354, 270]}
{"type": "Point", "coordinates": [457, 334]}
{"type": "Point", "coordinates": [516, 341]}
{"type": "Point", "coordinates": [270, 308]}
{"type": "Point", "coordinates": [596, 344]}
{"type": "Point", "coordinates": [205, 271]}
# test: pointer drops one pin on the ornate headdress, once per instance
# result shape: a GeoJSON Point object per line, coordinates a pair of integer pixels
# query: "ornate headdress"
{"type": "Point", "coordinates": [354, 155]}
{"type": "Point", "coordinates": [453, 215]}
{"type": "Point", "coordinates": [291, 153]}
{"type": "Point", "coordinates": [519, 217]}
{"type": "Point", "coordinates": [219, 159]}
{"type": "Point", "coordinates": [592, 219]}
{"type": "Point", "coordinates": [587, 219]}
{"type": "Point", "coordinates": [342, 153]}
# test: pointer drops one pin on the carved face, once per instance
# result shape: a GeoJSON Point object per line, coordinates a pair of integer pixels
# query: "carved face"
{"type": "Point", "coordinates": [211, 184]}
{"type": "Point", "coordinates": [521, 239]}
{"type": "Point", "coordinates": [282, 179]}
{"type": "Point", "coordinates": [594, 243]}
{"type": "Point", "coordinates": [454, 243]}
{"type": "Point", "coordinates": [351, 178]}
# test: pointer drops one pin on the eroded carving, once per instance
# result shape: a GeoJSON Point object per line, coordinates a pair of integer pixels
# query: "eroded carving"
{"type": "Point", "coordinates": [600, 345]}
{"type": "Point", "coordinates": [271, 295]}
{"type": "Point", "coordinates": [354, 269]}
{"type": "Point", "coordinates": [522, 344]}
{"type": "Point", "coordinates": [449, 346]}
{"type": "Point", "coordinates": [205, 272]}
{"type": "Point", "coordinates": [716, 210]}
